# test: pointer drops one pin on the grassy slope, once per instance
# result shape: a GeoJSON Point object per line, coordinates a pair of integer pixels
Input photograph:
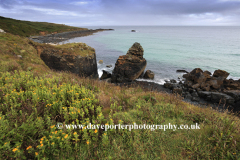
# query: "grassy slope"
{"type": "Point", "coordinates": [27, 28]}
{"type": "Point", "coordinates": [33, 98]}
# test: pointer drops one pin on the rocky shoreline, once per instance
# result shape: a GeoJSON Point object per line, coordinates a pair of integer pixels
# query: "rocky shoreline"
{"type": "Point", "coordinates": [198, 87]}
{"type": "Point", "coordinates": [60, 37]}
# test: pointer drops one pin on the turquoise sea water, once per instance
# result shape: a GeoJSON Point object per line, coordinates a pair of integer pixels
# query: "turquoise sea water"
{"type": "Point", "coordinates": [167, 49]}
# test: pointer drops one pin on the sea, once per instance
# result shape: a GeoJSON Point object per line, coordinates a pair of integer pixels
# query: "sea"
{"type": "Point", "coordinates": [170, 48]}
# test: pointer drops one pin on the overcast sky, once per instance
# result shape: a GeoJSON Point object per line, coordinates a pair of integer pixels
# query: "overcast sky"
{"type": "Point", "coordinates": [125, 12]}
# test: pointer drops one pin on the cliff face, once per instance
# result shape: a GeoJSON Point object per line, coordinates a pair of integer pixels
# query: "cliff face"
{"type": "Point", "coordinates": [77, 58]}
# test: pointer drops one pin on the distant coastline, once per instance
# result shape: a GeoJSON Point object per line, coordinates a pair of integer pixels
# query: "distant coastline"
{"type": "Point", "coordinates": [60, 37]}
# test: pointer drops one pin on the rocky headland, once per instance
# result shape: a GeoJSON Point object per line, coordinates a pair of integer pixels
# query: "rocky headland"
{"type": "Point", "coordinates": [77, 58]}
{"type": "Point", "coordinates": [59, 37]}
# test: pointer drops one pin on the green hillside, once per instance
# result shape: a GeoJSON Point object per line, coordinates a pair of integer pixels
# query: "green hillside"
{"type": "Point", "coordinates": [27, 28]}
{"type": "Point", "coordinates": [35, 99]}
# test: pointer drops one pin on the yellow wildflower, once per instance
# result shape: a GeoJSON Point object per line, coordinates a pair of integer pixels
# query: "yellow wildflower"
{"type": "Point", "coordinates": [53, 143]}
{"type": "Point", "coordinates": [95, 131]}
{"type": "Point", "coordinates": [87, 142]}
{"type": "Point", "coordinates": [15, 149]}
{"type": "Point", "coordinates": [74, 133]}
{"type": "Point", "coordinates": [36, 153]}
{"type": "Point", "coordinates": [41, 145]}
{"type": "Point", "coordinates": [66, 136]}
{"type": "Point", "coordinates": [29, 147]}
{"type": "Point", "coordinates": [0, 118]}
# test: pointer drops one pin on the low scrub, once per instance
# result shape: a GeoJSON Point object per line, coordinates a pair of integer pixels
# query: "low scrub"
{"type": "Point", "coordinates": [31, 106]}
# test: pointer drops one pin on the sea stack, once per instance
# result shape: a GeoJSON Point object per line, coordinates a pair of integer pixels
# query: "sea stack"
{"type": "Point", "coordinates": [130, 66]}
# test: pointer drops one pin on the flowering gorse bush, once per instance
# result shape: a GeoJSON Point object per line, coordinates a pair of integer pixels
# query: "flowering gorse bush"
{"type": "Point", "coordinates": [30, 108]}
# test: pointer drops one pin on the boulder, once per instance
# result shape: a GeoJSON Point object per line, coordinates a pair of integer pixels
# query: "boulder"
{"type": "Point", "coordinates": [220, 73]}
{"type": "Point", "coordinates": [130, 66]}
{"type": "Point", "coordinates": [149, 74]}
{"type": "Point", "coordinates": [168, 85]}
{"type": "Point", "coordinates": [207, 74]}
{"type": "Point", "coordinates": [205, 94]}
{"type": "Point", "coordinates": [173, 81]}
{"type": "Point", "coordinates": [108, 66]}
{"type": "Point", "coordinates": [231, 84]}
{"type": "Point", "coordinates": [105, 75]}
{"type": "Point", "coordinates": [100, 61]}
{"type": "Point", "coordinates": [234, 93]}
{"type": "Point", "coordinates": [196, 86]}
{"type": "Point", "coordinates": [221, 97]}
{"type": "Point", "coordinates": [177, 91]}
{"type": "Point", "coordinates": [196, 76]}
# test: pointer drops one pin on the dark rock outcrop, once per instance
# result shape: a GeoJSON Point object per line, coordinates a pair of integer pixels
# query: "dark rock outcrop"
{"type": "Point", "coordinates": [77, 58]}
{"type": "Point", "coordinates": [105, 75]}
{"type": "Point", "coordinates": [214, 88]}
{"type": "Point", "coordinates": [149, 74]}
{"type": "Point", "coordinates": [130, 66]}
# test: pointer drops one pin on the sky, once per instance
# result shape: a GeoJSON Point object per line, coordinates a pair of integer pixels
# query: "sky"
{"type": "Point", "coordinates": [125, 12]}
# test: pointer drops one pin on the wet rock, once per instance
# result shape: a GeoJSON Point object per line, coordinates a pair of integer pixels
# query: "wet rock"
{"type": "Point", "coordinates": [173, 81]}
{"type": "Point", "coordinates": [181, 71]}
{"type": "Point", "coordinates": [105, 75]}
{"type": "Point", "coordinates": [108, 66]}
{"type": "Point", "coordinates": [149, 74]}
{"type": "Point", "coordinates": [168, 85]}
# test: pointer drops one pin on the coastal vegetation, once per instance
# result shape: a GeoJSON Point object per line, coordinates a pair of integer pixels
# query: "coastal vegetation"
{"type": "Point", "coordinates": [27, 28]}
{"type": "Point", "coordinates": [34, 98]}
